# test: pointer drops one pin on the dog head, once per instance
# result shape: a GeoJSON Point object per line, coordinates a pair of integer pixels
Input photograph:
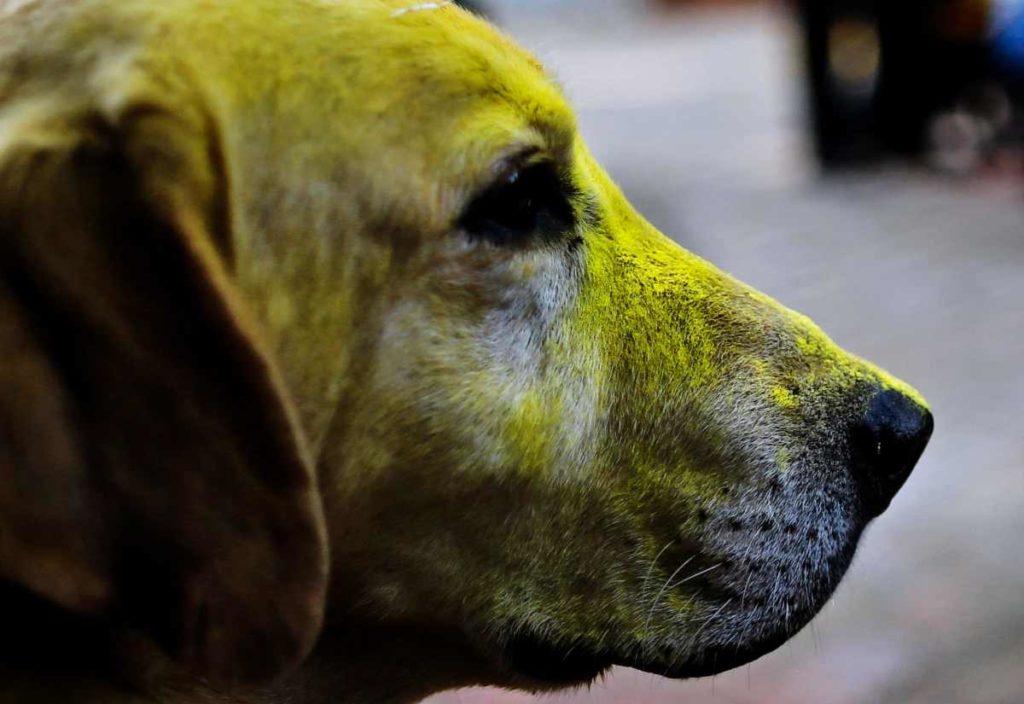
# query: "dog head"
{"type": "Point", "coordinates": [537, 424]}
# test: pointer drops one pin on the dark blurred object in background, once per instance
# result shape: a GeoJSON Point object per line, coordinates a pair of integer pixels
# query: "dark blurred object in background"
{"type": "Point", "coordinates": [934, 78]}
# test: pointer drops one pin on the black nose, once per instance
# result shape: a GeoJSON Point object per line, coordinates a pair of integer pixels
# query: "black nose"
{"type": "Point", "coordinates": [886, 445]}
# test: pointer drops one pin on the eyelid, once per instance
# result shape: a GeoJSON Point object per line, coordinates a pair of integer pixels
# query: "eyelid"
{"type": "Point", "coordinates": [515, 164]}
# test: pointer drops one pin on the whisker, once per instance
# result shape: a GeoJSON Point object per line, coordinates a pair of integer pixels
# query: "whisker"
{"type": "Point", "coordinates": [704, 625]}
{"type": "Point", "coordinates": [705, 622]}
{"type": "Point", "coordinates": [650, 568]}
{"type": "Point", "coordinates": [657, 598]}
{"type": "Point", "coordinates": [698, 574]}
{"type": "Point", "coordinates": [746, 587]}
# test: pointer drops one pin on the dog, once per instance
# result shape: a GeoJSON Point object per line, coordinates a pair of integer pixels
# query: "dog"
{"type": "Point", "coordinates": [335, 369]}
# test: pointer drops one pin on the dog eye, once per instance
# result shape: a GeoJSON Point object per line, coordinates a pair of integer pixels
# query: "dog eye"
{"type": "Point", "coordinates": [523, 204]}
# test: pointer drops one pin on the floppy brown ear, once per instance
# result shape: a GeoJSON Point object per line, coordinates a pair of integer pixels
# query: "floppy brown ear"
{"type": "Point", "coordinates": [151, 473]}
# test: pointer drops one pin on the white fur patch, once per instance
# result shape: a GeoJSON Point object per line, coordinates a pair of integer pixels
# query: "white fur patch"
{"type": "Point", "coordinates": [421, 7]}
{"type": "Point", "coordinates": [12, 6]}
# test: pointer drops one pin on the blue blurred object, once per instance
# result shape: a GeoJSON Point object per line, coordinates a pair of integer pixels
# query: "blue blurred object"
{"type": "Point", "coordinates": [1008, 34]}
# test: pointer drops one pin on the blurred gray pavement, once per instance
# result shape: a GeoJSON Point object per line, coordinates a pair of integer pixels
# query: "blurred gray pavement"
{"type": "Point", "coordinates": [698, 117]}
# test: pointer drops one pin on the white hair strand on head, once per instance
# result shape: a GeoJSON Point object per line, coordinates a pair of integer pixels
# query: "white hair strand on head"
{"type": "Point", "coordinates": [421, 7]}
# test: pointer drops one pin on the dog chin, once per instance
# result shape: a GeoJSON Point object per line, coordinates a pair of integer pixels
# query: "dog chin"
{"type": "Point", "coordinates": [545, 666]}
{"type": "Point", "coordinates": [711, 661]}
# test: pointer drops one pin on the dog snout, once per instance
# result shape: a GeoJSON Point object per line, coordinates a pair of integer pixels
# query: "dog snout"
{"type": "Point", "coordinates": [886, 444]}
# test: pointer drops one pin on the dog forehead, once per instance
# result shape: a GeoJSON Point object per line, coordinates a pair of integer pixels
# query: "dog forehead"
{"type": "Point", "coordinates": [383, 53]}
{"type": "Point", "coordinates": [423, 67]}
{"type": "Point", "coordinates": [424, 95]}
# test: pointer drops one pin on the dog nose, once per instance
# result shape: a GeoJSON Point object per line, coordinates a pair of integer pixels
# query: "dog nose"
{"type": "Point", "coordinates": [886, 445]}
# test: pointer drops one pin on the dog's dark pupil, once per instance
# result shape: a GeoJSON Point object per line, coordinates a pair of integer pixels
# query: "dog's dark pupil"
{"type": "Point", "coordinates": [527, 203]}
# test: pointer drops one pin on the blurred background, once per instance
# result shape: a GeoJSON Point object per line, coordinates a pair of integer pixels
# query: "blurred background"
{"type": "Point", "coordinates": [860, 160]}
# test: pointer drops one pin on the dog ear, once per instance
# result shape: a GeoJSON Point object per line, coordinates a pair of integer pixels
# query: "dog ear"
{"type": "Point", "coordinates": [151, 472]}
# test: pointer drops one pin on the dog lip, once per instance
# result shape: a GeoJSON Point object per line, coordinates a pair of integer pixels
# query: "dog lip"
{"type": "Point", "coordinates": [712, 661]}
{"type": "Point", "coordinates": [545, 663]}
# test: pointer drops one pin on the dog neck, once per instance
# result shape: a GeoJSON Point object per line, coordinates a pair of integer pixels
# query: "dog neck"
{"type": "Point", "coordinates": [45, 654]}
